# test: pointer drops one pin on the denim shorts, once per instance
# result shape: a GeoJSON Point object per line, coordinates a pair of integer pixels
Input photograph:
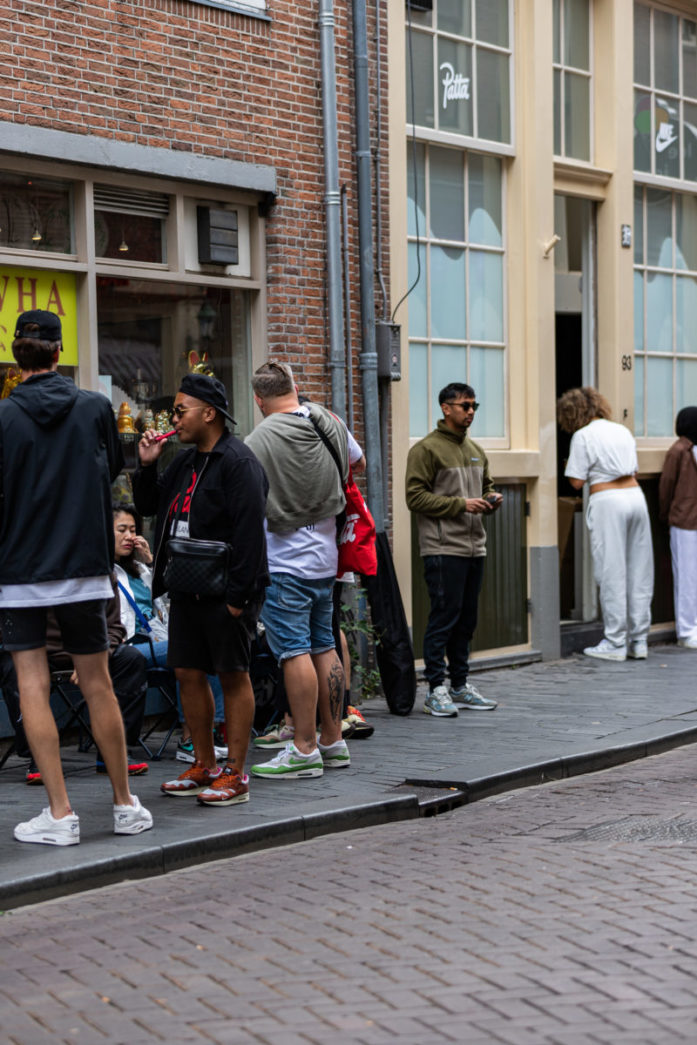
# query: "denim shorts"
{"type": "Point", "coordinates": [297, 615]}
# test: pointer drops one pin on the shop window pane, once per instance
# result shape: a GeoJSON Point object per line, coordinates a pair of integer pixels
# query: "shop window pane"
{"type": "Point", "coordinates": [638, 312]}
{"type": "Point", "coordinates": [659, 313]}
{"type": "Point", "coordinates": [685, 314]}
{"type": "Point", "coordinates": [639, 395]}
{"type": "Point", "coordinates": [485, 296]}
{"type": "Point", "coordinates": [486, 378]}
{"type": "Point", "coordinates": [424, 18]}
{"type": "Point", "coordinates": [448, 363]}
{"type": "Point", "coordinates": [35, 214]}
{"type": "Point", "coordinates": [492, 22]}
{"type": "Point", "coordinates": [455, 16]}
{"type": "Point", "coordinates": [150, 334]}
{"type": "Point", "coordinates": [659, 399]}
{"type": "Point", "coordinates": [690, 140]}
{"type": "Point", "coordinates": [642, 131]}
{"type": "Point", "coordinates": [638, 224]}
{"type": "Point", "coordinates": [686, 383]}
{"type": "Point", "coordinates": [416, 158]}
{"type": "Point", "coordinates": [689, 58]}
{"type": "Point", "coordinates": [659, 242]}
{"type": "Point", "coordinates": [493, 112]}
{"type": "Point", "coordinates": [422, 55]}
{"type": "Point", "coordinates": [455, 86]}
{"type": "Point", "coordinates": [577, 130]}
{"type": "Point", "coordinates": [556, 42]}
{"type": "Point", "coordinates": [485, 222]}
{"type": "Point", "coordinates": [448, 293]}
{"type": "Point", "coordinates": [557, 112]}
{"type": "Point", "coordinates": [417, 298]}
{"type": "Point", "coordinates": [447, 193]}
{"type": "Point", "coordinates": [576, 34]}
{"type": "Point", "coordinates": [642, 40]}
{"type": "Point", "coordinates": [686, 232]}
{"type": "Point", "coordinates": [665, 51]}
{"type": "Point", "coordinates": [129, 237]}
{"type": "Point", "coordinates": [418, 390]}
{"type": "Point", "coordinates": [667, 137]}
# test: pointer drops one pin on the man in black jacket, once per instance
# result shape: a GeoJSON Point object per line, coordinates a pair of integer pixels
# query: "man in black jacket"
{"type": "Point", "coordinates": [60, 453]}
{"type": "Point", "coordinates": [215, 491]}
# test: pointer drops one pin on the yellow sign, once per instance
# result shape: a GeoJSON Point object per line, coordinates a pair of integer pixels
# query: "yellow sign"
{"type": "Point", "coordinates": [24, 289]}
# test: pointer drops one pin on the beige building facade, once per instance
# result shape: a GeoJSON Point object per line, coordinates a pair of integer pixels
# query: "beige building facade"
{"type": "Point", "coordinates": [544, 224]}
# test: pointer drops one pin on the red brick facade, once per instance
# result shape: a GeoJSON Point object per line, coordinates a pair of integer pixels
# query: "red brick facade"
{"type": "Point", "coordinates": [185, 76]}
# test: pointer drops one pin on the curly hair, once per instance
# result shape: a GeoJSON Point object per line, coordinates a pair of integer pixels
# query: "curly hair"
{"type": "Point", "coordinates": [579, 406]}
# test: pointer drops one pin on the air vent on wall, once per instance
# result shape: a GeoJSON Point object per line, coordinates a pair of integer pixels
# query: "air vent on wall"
{"type": "Point", "coordinates": [131, 201]}
{"type": "Point", "coordinates": [420, 5]}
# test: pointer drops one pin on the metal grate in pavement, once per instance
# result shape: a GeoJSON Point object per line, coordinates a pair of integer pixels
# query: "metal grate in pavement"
{"type": "Point", "coordinates": [638, 829]}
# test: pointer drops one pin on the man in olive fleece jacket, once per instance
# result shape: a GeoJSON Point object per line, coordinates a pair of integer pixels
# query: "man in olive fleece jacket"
{"type": "Point", "coordinates": [449, 489]}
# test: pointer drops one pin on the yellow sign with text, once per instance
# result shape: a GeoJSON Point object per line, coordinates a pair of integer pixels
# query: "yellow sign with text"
{"type": "Point", "coordinates": [24, 289]}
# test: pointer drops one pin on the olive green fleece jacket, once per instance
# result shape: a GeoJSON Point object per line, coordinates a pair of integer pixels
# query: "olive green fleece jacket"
{"type": "Point", "coordinates": [443, 470]}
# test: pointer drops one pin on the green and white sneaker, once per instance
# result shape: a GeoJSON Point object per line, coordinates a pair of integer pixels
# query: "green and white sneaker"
{"type": "Point", "coordinates": [470, 697]}
{"type": "Point", "coordinates": [438, 703]}
{"type": "Point", "coordinates": [290, 764]}
{"type": "Point", "coordinates": [336, 755]}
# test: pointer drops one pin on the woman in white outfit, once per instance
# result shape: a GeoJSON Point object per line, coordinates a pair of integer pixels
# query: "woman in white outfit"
{"type": "Point", "coordinates": [603, 454]}
{"type": "Point", "coordinates": [677, 499]}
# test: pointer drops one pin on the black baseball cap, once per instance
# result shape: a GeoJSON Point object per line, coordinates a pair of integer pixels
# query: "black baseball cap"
{"type": "Point", "coordinates": [209, 390]}
{"type": "Point", "coordinates": [48, 323]}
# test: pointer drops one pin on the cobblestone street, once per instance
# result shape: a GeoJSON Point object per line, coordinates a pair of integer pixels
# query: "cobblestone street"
{"type": "Point", "coordinates": [563, 913]}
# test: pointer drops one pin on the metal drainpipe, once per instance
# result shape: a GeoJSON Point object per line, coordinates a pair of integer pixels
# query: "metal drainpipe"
{"type": "Point", "coordinates": [369, 356]}
{"type": "Point", "coordinates": [332, 204]}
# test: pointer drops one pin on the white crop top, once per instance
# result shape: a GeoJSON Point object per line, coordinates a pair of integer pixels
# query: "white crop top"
{"type": "Point", "coordinates": [601, 452]}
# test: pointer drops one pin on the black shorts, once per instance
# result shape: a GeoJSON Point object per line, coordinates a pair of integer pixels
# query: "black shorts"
{"type": "Point", "coordinates": [203, 635]}
{"type": "Point", "coordinates": [82, 626]}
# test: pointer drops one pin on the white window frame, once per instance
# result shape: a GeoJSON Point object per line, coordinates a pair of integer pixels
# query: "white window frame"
{"type": "Point", "coordinates": [563, 68]}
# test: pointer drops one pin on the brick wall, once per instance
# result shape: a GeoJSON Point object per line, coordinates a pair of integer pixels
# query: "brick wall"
{"type": "Point", "coordinates": [179, 75]}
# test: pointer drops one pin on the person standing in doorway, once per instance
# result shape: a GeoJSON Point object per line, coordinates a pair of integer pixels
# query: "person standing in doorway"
{"type": "Point", "coordinates": [449, 489]}
{"type": "Point", "coordinates": [603, 454]}
{"type": "Point", "coordinates": [60, 452]}
{"type": "Point", "coordinates": [677, 501]}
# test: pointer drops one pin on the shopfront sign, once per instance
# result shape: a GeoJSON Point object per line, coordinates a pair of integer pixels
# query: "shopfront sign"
{"type": "Point", "coordinates": [456, 87]}
{"type": "Point", "coordinates": [25, 289]}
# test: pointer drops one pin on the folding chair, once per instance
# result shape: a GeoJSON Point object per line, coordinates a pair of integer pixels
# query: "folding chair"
{"type": "Point", "coordinates": [164, 681]}
{"type": "Point", "coordinates": [65, 690]}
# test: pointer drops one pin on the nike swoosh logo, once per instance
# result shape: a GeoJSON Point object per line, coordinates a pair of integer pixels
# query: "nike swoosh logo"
{"type": "Point", "coordinates": [663, 143]}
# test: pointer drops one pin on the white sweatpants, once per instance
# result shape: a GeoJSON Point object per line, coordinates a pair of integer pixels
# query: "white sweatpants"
{"type": "Point", "coordinates": [683, 551]}
{"type": "Point", "coordinates": [620, 535]}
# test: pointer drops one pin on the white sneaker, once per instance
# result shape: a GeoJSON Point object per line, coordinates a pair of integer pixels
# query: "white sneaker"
{"type": "Point", "coordinates": [131, 820]}
{"type": "Point", "coordinates": [336, 755]}
{"type": "Point", "coordinates": [606, 651]}
{"type": "Point", "coordinates": [688, 643]}
{"type": "Point", "coordinates": [638, 650]}
{"type": "Point", "coordinates": [220, 752]}
{"type": "Point", "coordinates": [46, 830]}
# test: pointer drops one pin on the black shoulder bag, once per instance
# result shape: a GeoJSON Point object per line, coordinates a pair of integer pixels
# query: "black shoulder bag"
{"type": "Point", "coordinates": [195, 567]}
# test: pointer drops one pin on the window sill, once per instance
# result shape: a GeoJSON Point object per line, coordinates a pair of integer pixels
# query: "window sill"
{"type": "Point", "coordinates": [236, 8]}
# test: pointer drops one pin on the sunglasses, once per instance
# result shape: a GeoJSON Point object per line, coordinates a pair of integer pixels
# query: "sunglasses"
{"type": "Point", "coordinates": [179, 411]}
{"type": "Point", "coordinates": [466, 405]}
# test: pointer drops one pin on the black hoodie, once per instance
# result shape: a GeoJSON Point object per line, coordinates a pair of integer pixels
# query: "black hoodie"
{"type": "Point", "coordinates": [59, 454]}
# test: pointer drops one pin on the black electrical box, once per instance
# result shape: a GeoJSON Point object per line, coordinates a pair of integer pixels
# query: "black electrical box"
{"type": "Point", "coordinates": [217, 236]}
{"type": "Point", "coordinates": [389, 349]}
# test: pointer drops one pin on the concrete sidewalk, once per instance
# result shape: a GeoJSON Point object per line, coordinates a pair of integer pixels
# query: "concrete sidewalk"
{"type": "Point", "coordinates": [554, 720]}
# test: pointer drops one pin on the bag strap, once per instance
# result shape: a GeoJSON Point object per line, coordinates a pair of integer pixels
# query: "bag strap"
{"type": "Point", "coordinates": [327, 442]}
{"type": "Point", "coordinates": [142, 620]}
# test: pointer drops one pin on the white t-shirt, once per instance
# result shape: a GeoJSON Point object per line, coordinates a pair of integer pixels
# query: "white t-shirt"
{"type": "Point", "coordinates": [309, 552]}
{"type": "Point", "coordinates": [55, 593]}
{"type": "Point", "coordinates": [601, 452]}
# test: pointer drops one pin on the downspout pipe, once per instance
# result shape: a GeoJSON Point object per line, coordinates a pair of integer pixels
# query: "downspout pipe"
{"type": "Point", "coordinates": [369, 356]}
{"type": "Point", "coordinates": [332, 208]}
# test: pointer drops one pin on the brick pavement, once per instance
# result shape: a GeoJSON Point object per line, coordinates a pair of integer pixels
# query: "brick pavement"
{"type": "Point", "coordinates": [554, 720]}
{"type": "Point", "coordinates": [513, 920]}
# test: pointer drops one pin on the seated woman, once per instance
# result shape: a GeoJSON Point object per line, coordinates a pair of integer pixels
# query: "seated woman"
{"type": "Point", "coordinates": [146, 618]}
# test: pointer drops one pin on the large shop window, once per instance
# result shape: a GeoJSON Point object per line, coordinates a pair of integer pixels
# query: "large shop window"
{"type": "Point", "coordinates": [456, 260]}
{"type": "Point", "coordinates": [151, 334]}
{"type": "Point", "coordinates": [458, 68]}
{"type": "Point", "coordinates": [665, 308]}
{"type": "Point", "coordinates": [665, 95]}
{"type": "Point", "coordinates": [572, 79]}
